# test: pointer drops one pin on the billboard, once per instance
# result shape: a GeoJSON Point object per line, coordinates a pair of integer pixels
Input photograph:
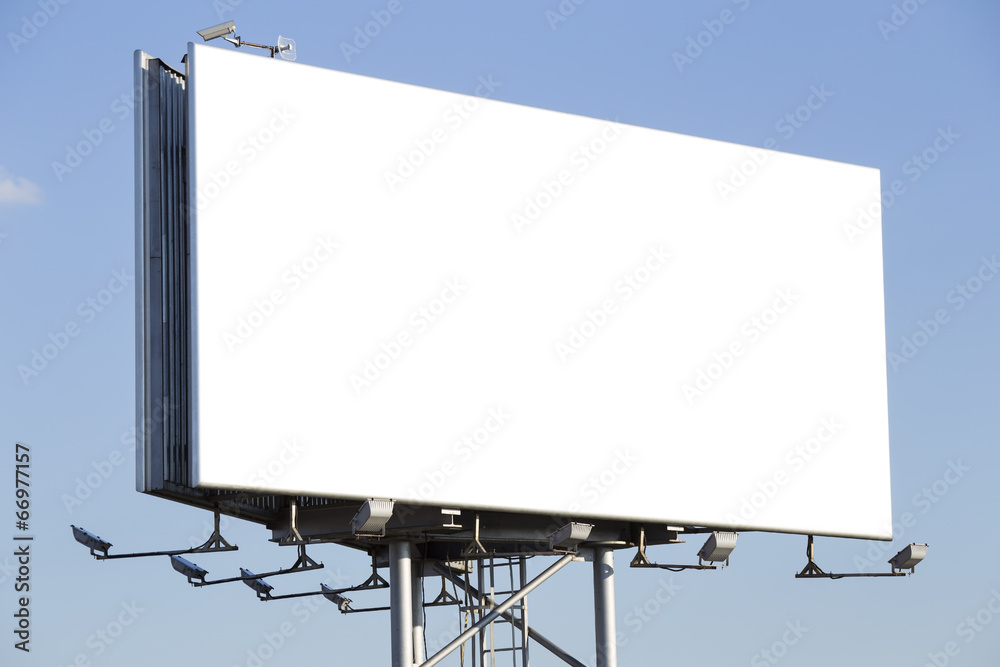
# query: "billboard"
{"type": "Point", "coordinates": [441, 298]}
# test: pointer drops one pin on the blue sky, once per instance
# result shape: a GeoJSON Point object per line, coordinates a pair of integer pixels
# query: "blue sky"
{"type": "Point", "coordinates": [910, 88]}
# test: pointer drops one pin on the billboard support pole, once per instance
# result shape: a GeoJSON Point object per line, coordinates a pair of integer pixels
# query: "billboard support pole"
{"type": "Point", "coordinates": [417, 596]}
{"type": "Point", "coordinates": [401, 603]}
{"type": "Point", "coordinates": [604, 607]}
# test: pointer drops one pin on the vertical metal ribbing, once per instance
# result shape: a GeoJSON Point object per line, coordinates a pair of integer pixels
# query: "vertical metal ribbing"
{"type": "Point", "coordinates": [163, 131]}
{"type": "Point", "coordinates": [167, 167]}
{"type": "Point", "coordinates": [184, 331]}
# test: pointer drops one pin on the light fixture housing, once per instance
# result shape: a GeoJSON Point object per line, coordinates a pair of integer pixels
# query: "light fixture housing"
{"type": "Point", "coordinates": [286, 48]}
{"type": "Point", "coordinates": [569, 536]}
{"type": "Point", "coordinates": [717, 547]}
{"type": "Point", "coordinates": [91, 541]}
{"type": "Point", "coordinates": [908, 557]}
{"type": "Point", "coordinates": [372, 517]}
{"type": "Point", "coordinates": [343, 604]}
{"type": "Point", "coordinates": [194, 574]}
{"type": "Point", "coordinates": [216, 31]}
{"type": "Point", "coordinates": [261, 587]}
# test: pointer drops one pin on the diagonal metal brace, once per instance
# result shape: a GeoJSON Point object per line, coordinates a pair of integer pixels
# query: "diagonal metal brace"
{"type": "Point", "coordinates": [498, 611]}
{"type": "Point", "coordinates": [519, 623]}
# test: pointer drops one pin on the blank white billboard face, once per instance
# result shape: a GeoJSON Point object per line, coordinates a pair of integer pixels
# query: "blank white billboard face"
{"type": "Point", "coordinates": [441, 298]}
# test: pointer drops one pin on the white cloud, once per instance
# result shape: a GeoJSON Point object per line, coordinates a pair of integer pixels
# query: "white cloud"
{"type": "Point", "coordinates": [18, 190]}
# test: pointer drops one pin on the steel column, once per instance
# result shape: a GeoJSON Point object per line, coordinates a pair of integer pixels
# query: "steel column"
{"type": "Point", "coordinates": [522, 568]}
{"type": "Point", "coordinates": [401, 603]}
{"type": "Point", "coordinates": [418, 612]}
{"type": "Point", "coordinates": [604, 607]}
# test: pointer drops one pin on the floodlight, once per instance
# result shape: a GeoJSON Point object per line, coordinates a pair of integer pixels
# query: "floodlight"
{"type": "Point", "coordinates": [372, 517]}
{"type": "Point", "coordinates": [196, 575]}
{"type": "Point", "coordinates": [262, 588]}
{"type": "Point", "coordinates": [570, 535]}
{"type": "Point", "coordinates": [343, 604]}
{"type": "Point", "coordinates": [286, 48]}
{"type": "Point", "coordinates": [718, 546]}
{"type": "Point", "coordinates": [908, 558]}
{"type": "Point", "coordinates": [91, 541]}
{"type": "Point", "coordinates": [214, 543]}
{"type": "Point", "coordinates": [216, 31]}
{"type": "Point", "coordinates": [188, 569]}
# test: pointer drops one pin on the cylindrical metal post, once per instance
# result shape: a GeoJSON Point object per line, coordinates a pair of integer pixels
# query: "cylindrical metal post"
{"type": "Point", "coordinates": [522, 567]}
{"type": "Point", "coordinates": [418, 612]}
{"type": "Point", "coordinates": [604, 607]}
{"type": "Point", "coordinates": [401, 604]}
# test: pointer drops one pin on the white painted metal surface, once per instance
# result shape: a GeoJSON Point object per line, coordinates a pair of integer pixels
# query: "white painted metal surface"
{"type": "Point", "coordinates": [406, 293]}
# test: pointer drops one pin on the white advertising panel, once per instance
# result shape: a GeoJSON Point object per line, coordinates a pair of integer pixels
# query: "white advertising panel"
{"type": "Point", "coordinates": [441, 298]}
